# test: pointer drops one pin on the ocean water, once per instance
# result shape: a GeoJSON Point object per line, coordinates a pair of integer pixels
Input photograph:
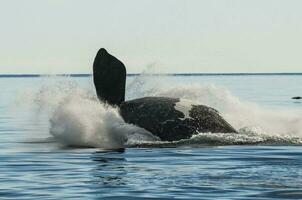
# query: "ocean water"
{"type": "Point", "coordinates": [58, 142]}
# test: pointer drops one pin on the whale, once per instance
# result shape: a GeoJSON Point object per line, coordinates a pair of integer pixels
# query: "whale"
{"type": "Point", "coordinates": [160, 116]}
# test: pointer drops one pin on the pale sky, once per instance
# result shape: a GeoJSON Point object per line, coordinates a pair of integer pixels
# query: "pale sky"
{"type": "Point", "coordinates": [204, 36]}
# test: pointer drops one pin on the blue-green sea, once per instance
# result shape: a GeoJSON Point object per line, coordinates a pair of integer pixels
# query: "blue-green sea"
{"type": "Point", "coordinates": [57, 141]}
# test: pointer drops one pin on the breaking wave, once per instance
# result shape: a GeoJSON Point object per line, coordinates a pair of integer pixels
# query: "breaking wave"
{"type": "Point", "coordinates": [77, 118]}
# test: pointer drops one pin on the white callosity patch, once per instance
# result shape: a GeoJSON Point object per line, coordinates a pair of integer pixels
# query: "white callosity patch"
{"type": "Point", "coordinates": [184, 106]}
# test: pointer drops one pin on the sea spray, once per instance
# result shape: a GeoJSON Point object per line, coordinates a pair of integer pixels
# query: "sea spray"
{"type": "Point", "coordinates": [83, 122]}
{"type": "Point", "coordinates": [245, 136]}
{"type": "Point", "coordinates": [238, 113]}
{"type": "Point", "coordinates": [78, 118]}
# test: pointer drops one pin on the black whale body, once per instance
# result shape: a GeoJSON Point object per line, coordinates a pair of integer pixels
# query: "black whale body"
{"type": "Point", "coordinates": [157, 115]}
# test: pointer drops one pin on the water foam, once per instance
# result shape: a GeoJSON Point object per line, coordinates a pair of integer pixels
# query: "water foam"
{"type": "Point", "coordinates": [77, 118]}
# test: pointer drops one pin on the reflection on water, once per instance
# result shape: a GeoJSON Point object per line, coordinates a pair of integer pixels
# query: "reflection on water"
{"type": "Point", "coordinates": [45, 170]}
{"type": "Point", "coordinates": [109, 168]}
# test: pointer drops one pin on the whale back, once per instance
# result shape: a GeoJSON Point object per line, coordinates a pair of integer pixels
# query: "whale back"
{"type": "Point", "coordinates": [109, 77]}
{"type": "Point", "coordinates": [160, 116]}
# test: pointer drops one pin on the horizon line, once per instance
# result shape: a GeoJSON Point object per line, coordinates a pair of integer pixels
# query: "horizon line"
{"type": "Point", "coordinates": [155, 74]}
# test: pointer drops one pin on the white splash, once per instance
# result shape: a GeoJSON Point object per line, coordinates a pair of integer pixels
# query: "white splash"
{"type": "Point", "coordinates": [77, 118]}
{"type": "Point", "coordinates": [238, 113]}
{"type": "Point", "coordinates": [184, 106]}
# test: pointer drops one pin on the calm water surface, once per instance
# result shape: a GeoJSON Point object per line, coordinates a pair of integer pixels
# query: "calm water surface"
{"type": "Point", "coordinates": [33, 166]}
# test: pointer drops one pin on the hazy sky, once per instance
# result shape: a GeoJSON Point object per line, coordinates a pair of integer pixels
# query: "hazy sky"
{"type": "Point", "coordinates": [63, 36]}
